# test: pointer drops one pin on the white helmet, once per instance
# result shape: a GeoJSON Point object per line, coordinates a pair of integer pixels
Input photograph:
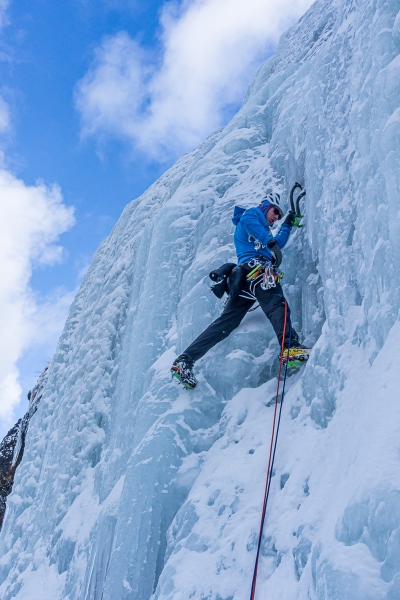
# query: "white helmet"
{"type": "Point", "coordinates": [274, 199]}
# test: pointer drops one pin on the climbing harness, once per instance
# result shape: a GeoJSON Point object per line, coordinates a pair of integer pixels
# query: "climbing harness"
{"type": "Point", "coordinates": [261, 273]}
{"type": "Point", "coordinates": [272, 449]}
{"type": "Point", "coordinates": [271, 277]}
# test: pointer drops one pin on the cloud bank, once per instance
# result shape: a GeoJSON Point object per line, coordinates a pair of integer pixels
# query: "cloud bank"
{"type": "Point", "coordinates": [167, 103]}
{"type": "Point", "coordinates": [31, 220]}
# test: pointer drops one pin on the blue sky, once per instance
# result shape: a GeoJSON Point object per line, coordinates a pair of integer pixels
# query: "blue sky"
{"type": "Point", "coordinates": [51, 48]}
{"type": "Point", "coordinates": [98, 98]}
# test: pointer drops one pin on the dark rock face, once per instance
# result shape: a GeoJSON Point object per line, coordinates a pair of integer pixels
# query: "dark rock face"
{"type": "Point", "coordinates": [12, 446]}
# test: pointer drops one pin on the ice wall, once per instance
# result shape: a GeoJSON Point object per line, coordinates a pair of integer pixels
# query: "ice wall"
{"type": "Point", "coordinates": [132, 488]}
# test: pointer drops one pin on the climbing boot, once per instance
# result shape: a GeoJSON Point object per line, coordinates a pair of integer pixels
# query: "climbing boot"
{"type": "Point", "coordinates": [295, 356]}
{"type": "Point", "coordinates": [182, 369]}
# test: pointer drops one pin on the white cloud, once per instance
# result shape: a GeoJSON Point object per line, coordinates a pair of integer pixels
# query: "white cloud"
{"type": "Point", "coordinates": [31, 220]}
{"type": "Point", "coordinates": [5, 122]}
{"type": "Point", "coordinates": [209, 51]}
{"type": "Point", "coordinates": [111, 94]}
{"type": "Point", "coordinates": [3, 12]}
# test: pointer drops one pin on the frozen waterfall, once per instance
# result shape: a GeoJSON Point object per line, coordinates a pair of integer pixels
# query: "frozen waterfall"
{"type": "Point", "coordinates": [132, 488]}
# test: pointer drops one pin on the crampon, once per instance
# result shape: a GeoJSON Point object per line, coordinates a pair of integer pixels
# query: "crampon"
{"type": "Point", "coordinates": [295, 357]}
{"type": "Point", "coordinates": [182, 369]}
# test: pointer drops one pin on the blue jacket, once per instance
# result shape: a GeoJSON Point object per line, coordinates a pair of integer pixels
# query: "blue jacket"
{"type": "Point", "coordinates": [252, 233]}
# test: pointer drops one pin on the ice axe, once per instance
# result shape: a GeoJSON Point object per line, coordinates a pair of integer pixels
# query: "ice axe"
{"type": "Point", "coordinates": [295, 206]}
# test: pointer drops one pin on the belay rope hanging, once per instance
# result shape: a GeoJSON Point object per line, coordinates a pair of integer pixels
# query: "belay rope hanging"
{"type": "Point", "coordinates": [295, 208]}
{"type": "Point", "coordinates": [272, 449]}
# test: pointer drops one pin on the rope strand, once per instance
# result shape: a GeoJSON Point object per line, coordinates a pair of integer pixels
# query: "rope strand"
{"type": "Point", "coordinates": [272, 449]}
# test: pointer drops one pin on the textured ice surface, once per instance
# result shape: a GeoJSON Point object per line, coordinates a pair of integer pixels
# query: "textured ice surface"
{"type": "Point", "coordinates": [132, 488]}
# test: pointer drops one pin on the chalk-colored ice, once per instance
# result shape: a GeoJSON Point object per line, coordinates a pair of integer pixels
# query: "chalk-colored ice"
{"type": "Point", "coordinates": [132, 488]}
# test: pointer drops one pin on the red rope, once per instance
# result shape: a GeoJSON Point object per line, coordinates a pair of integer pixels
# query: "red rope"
{"type": "Point", "coordinates": [270, 460]}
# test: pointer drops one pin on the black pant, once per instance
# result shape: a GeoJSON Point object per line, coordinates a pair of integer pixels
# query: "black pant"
{"type": "Point", "coordinates": [272, 302]}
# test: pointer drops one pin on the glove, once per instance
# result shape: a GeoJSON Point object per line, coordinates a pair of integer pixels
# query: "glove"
{"type": "Point", "coordinates": [289, 219]}
{"type": "Point", "coordinates": [276, 253]}
{"type": "Point", "coordinates": [292, 219]}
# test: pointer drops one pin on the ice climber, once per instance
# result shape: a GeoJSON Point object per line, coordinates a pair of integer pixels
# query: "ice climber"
{"type": "Point", "coordinates": [255, 278]}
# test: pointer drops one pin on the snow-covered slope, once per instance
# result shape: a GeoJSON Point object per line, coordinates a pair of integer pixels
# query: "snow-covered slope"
{"type": "Point", "coordinates": [132, 488]}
